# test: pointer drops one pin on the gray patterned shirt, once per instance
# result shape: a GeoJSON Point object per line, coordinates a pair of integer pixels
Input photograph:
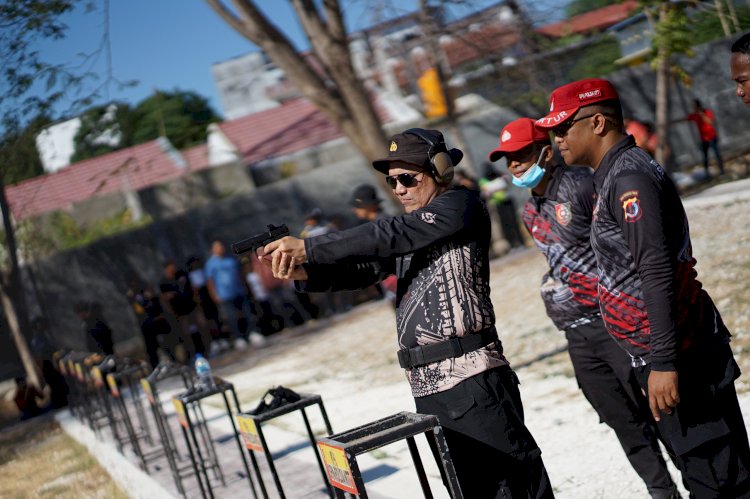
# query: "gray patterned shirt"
{"type": "Point", "coordinates": [440, 255]}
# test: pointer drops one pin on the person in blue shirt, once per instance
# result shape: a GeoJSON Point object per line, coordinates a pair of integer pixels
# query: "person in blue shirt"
{"type": "Point", "coordinates": [226, 288]}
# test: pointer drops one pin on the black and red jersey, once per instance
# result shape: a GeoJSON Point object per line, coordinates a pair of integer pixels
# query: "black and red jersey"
{"type": "Point", "coordinates": [560, 224]}
{"type": "Point", "coordinates": [650, 298]}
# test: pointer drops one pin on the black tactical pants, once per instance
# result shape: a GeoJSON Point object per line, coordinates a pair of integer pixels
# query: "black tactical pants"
{"type": "Point", "coordinates": [706, 429]}
{"type": "Point", "coordinates": [493, 452]}
{"type": "Point", "coordinates": [607, 380]}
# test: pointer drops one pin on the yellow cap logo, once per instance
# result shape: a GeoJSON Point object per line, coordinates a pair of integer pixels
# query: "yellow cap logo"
{"type": "Point", "coordinates": [394, 146]}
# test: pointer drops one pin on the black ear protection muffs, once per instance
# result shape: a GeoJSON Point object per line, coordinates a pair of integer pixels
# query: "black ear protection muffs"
{"type": "Point", "coordinates": [440, 161]}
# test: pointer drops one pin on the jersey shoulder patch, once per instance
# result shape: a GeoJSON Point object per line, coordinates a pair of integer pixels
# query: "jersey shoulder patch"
{"type": "Point", "coordinates": [631, 206]}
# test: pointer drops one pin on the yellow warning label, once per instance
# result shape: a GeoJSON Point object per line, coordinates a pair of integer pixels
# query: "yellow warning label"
{"type": "Point", "coordinates": [249, 433]}
{"type": "Point", "coordinates": [148, 391]}
{"type": "Point", "coordinates": [179, 408]}
{"type": "Point", "coordinates": [96, 373]}
{"type": "Point", "coordinates": [337, 467]}
{"type": "Point", "coordinates": [113, 388]}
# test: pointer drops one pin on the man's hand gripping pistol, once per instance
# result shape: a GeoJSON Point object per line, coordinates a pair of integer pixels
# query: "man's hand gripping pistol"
{"type": "Point", "coordinates": [260, 240]}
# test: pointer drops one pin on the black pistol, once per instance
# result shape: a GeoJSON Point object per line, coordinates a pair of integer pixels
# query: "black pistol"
{"type": "Point", "coordinates": [259, 240]}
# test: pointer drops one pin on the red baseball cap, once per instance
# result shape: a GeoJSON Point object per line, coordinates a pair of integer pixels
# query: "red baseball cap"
{"type": "Point", "coordinates": [565, 101]}
{"type": "Point", "coordinates": [516, 135]}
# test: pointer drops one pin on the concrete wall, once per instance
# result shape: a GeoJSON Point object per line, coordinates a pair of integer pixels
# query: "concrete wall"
{"type": "Point", "coordinates": [711, 84]}
{"type": "Point", "coordinates": [100, 271]}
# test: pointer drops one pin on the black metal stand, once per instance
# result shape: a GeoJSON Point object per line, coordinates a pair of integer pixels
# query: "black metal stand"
{"type": "Point", "coordinates": [251, 427]}
{"type": "Point", "coordinates": [190, 416]}
{"type": "Point", "coordinates": [121, 382]}
{"type": "Point", "coordinates": [340, 451]}
{"type": "Point", "coordinates": [150, 386]}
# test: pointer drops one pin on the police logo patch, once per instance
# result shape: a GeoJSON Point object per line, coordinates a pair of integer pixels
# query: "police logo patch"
{"type": "Point", "coordinates": [427, 217]}
{"type": "Point", "coordinates": [631, 206]}
{"type": "Point", "coordinates": [563, 214]}
{"type": "Point", "coordinates": [394, 146]}
{"type": "Point", "coordinates": [506, 136]}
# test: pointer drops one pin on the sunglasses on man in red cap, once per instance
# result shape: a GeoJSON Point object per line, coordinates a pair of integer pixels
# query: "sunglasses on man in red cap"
{"type": "Point", "coordinates": [565, 102]}
{"type": "Point", "coordinates": [517, 135]}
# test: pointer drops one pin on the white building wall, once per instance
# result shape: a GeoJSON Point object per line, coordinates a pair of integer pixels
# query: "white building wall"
{"type": "Point", "coordinates": [242, 84]}
{"type": "Point", "coordinates": [55, 144]}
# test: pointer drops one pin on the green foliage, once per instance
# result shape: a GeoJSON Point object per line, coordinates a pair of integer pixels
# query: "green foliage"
{"type": "Point", "coordinates": [672, 36]}
{"type": "Point", "coordinates": [67, 233]}
{"type": "Point", "coordinates": [706, 26]}
{"type": "Point", "coordinates": [596, 60]}
{"type": "Point", "coordinates": [23, 23]}
{"type": "Point", "coordinates": [576, 7]}
{"type": "Point", "coordinates": [113, 121]}
{"type": "Point", "coordinates": [19, 159]}
{"type": "Point", "coordinates": [182, 115]}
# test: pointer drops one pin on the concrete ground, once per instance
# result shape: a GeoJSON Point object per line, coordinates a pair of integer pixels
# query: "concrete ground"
{"type": "Point", "coordinates": [350, 361]}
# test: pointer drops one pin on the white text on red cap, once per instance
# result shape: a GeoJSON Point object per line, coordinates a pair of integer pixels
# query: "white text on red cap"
{"type": "Point", "coordinates": [553, 119]}
{"type": "Point", "coordinates": [590, 94]}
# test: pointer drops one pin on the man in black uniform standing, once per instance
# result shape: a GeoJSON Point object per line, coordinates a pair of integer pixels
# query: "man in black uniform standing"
{"type": "Point", "coordinates": [558, 217]}
{"type": "Point", "coordinates": [650, 299]}
{"type": "Point", "coordinates": [439, 251]}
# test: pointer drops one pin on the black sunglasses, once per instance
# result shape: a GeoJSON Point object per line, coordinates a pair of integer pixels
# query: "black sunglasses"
{"type": "Point", "coordinates": [405, 179]}
{"type": "Point", "coordinates": [562, 129]}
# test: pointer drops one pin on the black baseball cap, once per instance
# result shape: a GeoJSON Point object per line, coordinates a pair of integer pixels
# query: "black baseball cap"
{"type": "Point", "coordinates": [365, 195]}
{"type": "Point", "coordinates": [410, 148]}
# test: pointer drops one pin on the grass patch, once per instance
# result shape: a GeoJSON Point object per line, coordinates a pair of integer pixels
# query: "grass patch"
{"type": "Point", "coordinates": [37, 459]}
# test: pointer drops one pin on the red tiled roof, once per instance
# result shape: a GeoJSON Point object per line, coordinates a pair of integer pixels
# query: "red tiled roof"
{"type": "Point", "coordinates": [471, 45]}
{"type": "Point", "coordinates": [196, 157]}
{"type": "Point", "coordinates": [135, 168]}
{"type": "Point", "coordinates": [595, 20]}
{"type": "Point", "coordinates": [293, 126]}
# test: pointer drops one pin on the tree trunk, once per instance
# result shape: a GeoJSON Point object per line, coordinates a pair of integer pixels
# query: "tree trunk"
{"type": "Point", "coordinates": [733, 15]}
{"type": "Point", "coordinates": [442, 67]}
{"type": "Point", "coordinates": [346, 102]}
{"type": "Point", "coordinates": [722, 18]}
{"type": "Point", "coordinates": [15, 309]}
{"type": "Point", "coordinates": [662, 91]}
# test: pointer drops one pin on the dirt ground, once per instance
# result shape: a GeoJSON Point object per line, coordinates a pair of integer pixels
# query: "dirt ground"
{"type": "Point", "coordinates": [38, 460]}
{"type": "Point", "coordinates": [350, 360]}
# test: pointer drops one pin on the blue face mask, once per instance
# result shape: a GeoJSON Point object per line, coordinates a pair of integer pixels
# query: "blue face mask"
{"type": "Point", "coordinates": [532, 176]}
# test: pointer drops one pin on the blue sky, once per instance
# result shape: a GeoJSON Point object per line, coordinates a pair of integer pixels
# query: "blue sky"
{"type": "Point", "coordinates": [169, 44]}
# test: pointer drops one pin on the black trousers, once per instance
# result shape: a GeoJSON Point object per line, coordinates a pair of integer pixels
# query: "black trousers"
{"type": "Point", "coordinates": [706, 429]}
{"type": "Point", "coordinates": [509, 222]}
{"type": "Point", "coordinates": [607, 380]}
{"type": "Point", "coordinates": [493, 452]}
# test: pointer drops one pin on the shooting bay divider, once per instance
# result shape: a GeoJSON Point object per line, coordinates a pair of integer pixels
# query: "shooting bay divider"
{"type": "Point", "coordinates": [340, 451]}
{"type": "Point", "coordinates": [102, 388]}
{"type": "Point", "coordinates": [251, 427]}
{"type": "Point", "coordinates": [190, 416]}
{"type": "Point", "coordinates": [151, 386]}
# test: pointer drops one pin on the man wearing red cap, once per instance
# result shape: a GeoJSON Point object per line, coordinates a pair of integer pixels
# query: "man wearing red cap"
{"type": "Point", "coordinates": [558, 217]}
{"type": "Point", "coordinates": [650, 299]}
{"type": "Point", "coordinates": [449, 347]}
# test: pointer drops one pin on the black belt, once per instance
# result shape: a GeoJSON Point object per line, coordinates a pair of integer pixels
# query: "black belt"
{"type": "Point", "coordinates": [450, 349]}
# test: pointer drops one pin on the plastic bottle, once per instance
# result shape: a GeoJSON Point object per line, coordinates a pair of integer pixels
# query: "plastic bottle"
{"type": "Point", "coordinates": [203, 372]}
